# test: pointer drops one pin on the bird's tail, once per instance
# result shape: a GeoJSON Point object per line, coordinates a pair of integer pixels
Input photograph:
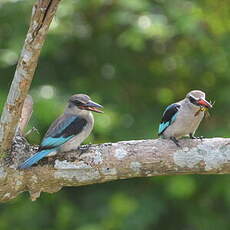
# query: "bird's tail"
{"type": "Point", "coordinates": [35, 158]}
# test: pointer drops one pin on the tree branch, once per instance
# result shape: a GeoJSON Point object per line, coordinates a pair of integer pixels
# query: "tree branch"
{"type": "Point", "coordinates": [27, 110]}
{"type": "Point", "coordinates": [113, 161]}
{"type": "Point", "coordinates": [42, 15]}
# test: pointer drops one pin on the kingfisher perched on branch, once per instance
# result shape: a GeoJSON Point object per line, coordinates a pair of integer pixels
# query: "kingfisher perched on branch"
{"type": "Point", "coordinates": [183, 118]}
{"type": "Point", "coordinates": [69, 130]}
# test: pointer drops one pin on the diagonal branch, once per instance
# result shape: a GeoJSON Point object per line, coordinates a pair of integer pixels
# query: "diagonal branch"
{"type": "Point", "coordinates": [113, 161]}
{"type": "Point", "coordinates": [42, 15]}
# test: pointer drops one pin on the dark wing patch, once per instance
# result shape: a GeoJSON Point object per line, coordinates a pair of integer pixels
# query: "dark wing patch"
{"type": "Point", "coordinates": [168, 118]}
{"type": "Point", "coordinates": [170, 112]}
{"type": "Point", "coordinates": [74, 128]}
{"type": "Point", "coordinates": [62, 130]}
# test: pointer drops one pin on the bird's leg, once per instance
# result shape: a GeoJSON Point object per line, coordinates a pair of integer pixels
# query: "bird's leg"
{"type": "Point", "coordinates": [175, 141]}
{"type": "Point", "coordinates": [193, 137]}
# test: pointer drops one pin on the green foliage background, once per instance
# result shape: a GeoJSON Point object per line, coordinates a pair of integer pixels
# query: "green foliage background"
{"type": "Point", "coordinates": [134, 57]}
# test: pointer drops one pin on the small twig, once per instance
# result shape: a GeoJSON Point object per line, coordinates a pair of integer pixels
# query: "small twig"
{"type": "Point", "coordinates": [34, 129]}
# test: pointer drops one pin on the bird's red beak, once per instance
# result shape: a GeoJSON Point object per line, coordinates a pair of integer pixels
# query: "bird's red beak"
{"type": "Point", "coordinates": [92, 106]}
{"type": "Point", "coordinates": [204, 103]}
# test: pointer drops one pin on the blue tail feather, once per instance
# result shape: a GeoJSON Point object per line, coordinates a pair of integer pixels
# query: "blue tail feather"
{"type": "Point", "coordinates": [35, 158]}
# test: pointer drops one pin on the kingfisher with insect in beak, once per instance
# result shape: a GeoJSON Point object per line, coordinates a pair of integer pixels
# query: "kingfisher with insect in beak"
{"type": "Point", "coordinates": [69, 130]}
{"type": "Point", "coordinates": [183, 118]}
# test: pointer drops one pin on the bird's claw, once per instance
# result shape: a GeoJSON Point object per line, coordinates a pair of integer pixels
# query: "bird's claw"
{"type": "Point", "coordinates": [193, 137]}
{"type": "Point", "coordinates": [83, 149]}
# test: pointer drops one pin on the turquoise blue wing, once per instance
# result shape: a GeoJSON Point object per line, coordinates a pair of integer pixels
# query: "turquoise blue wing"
{"type": "Point", "coordinates": [169, 116]}
{"type": "Point", "coordinates": [62, 130]}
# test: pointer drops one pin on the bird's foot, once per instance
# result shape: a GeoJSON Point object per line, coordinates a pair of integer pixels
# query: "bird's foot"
{"type": "Point", "coordinates": [78, 150]}
{"type": "Point", "coordinates": [175, 141]}
{"type": "Point", "coordinates": [193, 137]}
{"type": "Point", "coordinates": [83, 149]}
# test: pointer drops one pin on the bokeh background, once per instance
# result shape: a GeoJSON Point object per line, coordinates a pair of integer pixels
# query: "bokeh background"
{"type": "Point", "coordinates": [134, 57]}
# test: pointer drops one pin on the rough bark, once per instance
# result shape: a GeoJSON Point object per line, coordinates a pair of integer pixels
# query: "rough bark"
{"type": "Point", "coordinates": [42, 15]}
{"type": "Point", "coordinates": [113, 161]}
{"type": "Point", "coordinates": [27, 110]}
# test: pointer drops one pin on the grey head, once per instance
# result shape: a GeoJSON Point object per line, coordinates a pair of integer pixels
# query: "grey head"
{"type": "Point", "coordinates": [196, 98]}
{"type": "Point", "coordinates": [81, 103]}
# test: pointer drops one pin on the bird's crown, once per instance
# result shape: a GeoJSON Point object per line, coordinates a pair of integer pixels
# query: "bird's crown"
{"type": "Point", "coordinates": [83, 98]}
{"type": "Point", "coordinates": [196, 94]}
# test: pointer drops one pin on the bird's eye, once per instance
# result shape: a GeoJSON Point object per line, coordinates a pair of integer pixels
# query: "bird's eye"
{"type": "Point", "coordinates": [192, 99]}
{"type": "Point", "coordinates": [77, 103]}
